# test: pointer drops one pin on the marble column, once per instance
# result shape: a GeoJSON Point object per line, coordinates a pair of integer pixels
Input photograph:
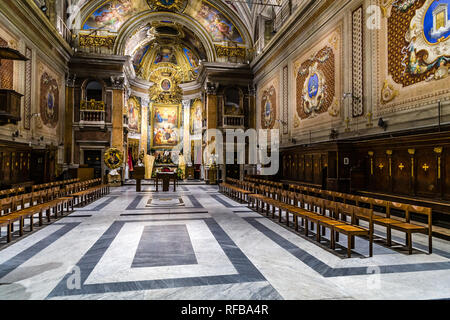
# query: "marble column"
{"type": "Point", "coordinates": [117, 136]}
{"type": "Point", "coordinates": [211, 116]}
{"type": "Point", "coordinates": [68, 119]}
{"type": "Point", "coordinates": [186, 131]}
{"type": "Point", "coordinates": [252, 107]}
{"type": "Point", "coordinates": [144, 124]}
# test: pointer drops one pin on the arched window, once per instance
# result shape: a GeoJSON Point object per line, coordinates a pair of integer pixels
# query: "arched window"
{"type": "Point", "coordinates": [94, 91]}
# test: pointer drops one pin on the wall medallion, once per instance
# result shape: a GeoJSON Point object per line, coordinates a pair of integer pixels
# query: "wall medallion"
{"type": "Point", "coordinates": [269, 108]}
{"type": "Point", "coordinates": [113, 158]}
{"type": "Point", "coordinates": [316, 84]}
{"type": "Point", "coordinates": [419, 41]}
{"type": "Point", "coordinates": [49, 101]}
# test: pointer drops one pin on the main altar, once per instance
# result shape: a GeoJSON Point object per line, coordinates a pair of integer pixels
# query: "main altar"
{"type": "Point", "coordinates": [165, 65]}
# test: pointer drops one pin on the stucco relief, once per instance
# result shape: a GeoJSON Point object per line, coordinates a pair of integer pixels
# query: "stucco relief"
{"type": "Point", "coordinates": [413, 56]}
{"type": "Point", "coordinates": [317, 74]}
{"type": "Point", "coordinates": [268, 103]}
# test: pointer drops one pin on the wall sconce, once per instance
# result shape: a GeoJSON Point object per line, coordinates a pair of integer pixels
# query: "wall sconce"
{"type": "Point", "coordinates": [350, 95]}
{"type": "Point", "coordinates": [382, 124]}
{"type": "Point", "coordinates": [284, 123]}
{"type": "Point", "coordinates": [334, 134]}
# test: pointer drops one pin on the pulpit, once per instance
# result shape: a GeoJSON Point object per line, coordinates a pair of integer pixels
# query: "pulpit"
{"type": "Point", "coordinates": [138, 174]}
{"type": "Point", "coordinates": [166, 177]}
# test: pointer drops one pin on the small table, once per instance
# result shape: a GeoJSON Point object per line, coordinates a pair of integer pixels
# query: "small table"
{"type": "Point", "coordinates": [166, 177]}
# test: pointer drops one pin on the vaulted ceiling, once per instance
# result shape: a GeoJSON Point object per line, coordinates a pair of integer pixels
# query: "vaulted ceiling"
{"type": "Point", "coordinates": [211, 21]}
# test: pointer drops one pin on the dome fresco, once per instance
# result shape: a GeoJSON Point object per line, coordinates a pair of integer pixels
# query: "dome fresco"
{"type": "Point", "coordinates": [152, 55]}
{"type": "Point", "coordinates": [165, 42]}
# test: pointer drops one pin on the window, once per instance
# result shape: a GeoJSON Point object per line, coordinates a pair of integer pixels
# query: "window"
{"type": "Point", "coordinates": [94, 91]}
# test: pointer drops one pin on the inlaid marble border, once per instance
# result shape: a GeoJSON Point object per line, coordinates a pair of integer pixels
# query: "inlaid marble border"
{"type": "Point", "coordinates": [247, 272]}
{"type": "Point", "coordinates": [328, 271]}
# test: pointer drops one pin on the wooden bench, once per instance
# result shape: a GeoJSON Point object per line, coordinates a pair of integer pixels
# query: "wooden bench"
{"type": "Point", "coordinates": [88, 192]}
{"type": "Point", "coordinates": [38, 203]}
{"type": "Point", "coordinates": [313, 217]}
{"type": "Point", "coordinates": [234, 192]}
{"type": "Point", "coordinates": [385, 219]}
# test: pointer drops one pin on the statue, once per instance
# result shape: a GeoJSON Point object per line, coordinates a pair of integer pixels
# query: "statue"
{"type": "Point", "coordinates": [149, 161]}
{"type": "Point", "coordinates": [141, 158]}
{"type": "Point", "coordinates": [182, 166]}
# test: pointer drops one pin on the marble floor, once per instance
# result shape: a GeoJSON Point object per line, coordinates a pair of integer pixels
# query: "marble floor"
{"type": "Point", "coordinates": [198, 244]}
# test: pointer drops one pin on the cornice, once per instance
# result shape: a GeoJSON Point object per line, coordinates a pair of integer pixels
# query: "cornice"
{"type": "Point", "coordinates": [35, 26]}
{"type": "Point", "coordinates": [298, 29]}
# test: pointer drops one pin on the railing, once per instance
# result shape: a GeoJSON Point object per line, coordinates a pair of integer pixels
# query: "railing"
{"type": "Point", "coordinates": [233, 121]}
{"type": "Point", "coordinates": [97, 42]}
{"type": "Point", "coordinates": [64, 31]}
{"type": "Point", "coordinates": [92, 112]}
{"type": "Point", "coordinates": [282, 15]}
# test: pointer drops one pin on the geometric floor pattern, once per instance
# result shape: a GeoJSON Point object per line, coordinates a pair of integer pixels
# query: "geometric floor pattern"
{"type": "Point", "coordinates": [198, 244]}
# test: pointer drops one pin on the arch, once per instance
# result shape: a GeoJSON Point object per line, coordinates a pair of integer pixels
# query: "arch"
{"type": "Point", "coordinates": [229, 13]}
{"type": "Point", "coordinates": [94, 91]}
{"type": "Point", "coordinates": [85, 84]}
{"type": "Point", "coordinates": [144, 18]}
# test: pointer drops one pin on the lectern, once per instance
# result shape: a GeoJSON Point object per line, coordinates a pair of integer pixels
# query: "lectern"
{"type": "Point", "coordinates": [138, 174]}
{"type": "Point", "coordinates": [166, 177]}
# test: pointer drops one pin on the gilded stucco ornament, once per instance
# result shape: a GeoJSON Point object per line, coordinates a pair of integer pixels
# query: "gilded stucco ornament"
{"type": "Point", "coordinates": [224, 51]}
{"type": "Point", "coordinates": [166, 78]}
{"type": "Point", "coordinates": [334, 108]}
{"type": "Point", "coordinates": [296, 121]}
{"type": "Point", "coordinates": [113, 158]}
{"type": "Point", "coordinates": [86, 40]}
{"type": "Point", "coordinates": [168, 5]}
{"type": "Point", "coordinates": [388, 93]}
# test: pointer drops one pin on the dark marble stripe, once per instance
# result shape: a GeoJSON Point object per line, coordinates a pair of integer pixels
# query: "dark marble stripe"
{"type": "Point", "coordinates": [13, 263]}
{"type": "Point", "coordinates": [108, 201]}
{"type": "Point", "coordinates": [90, 259]}
{"type": "Point", "coordinates": [79, 216]}
{"type": "Point", "coordinates": [239, 260]}
{"type": "Point", "coordinates": [194, 201]}
{"type": "Point", "coordinates": [247, 272]}
{"type": "Point", "coordinates": [167, 245]}
{"type": "Point", "coordinates": [134, 203]}
{"type": "Point", "coordinates": [160, 213]}
{"type": "Point", "coordinates": [222, 201]}
{"type": "Point", "coordinates": [327, 271]}
{"type": "Point", "coordinates": [102, 205]}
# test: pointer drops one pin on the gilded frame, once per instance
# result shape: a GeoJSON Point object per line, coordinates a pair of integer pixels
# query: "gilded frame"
{"type": "Point", "coordinates": [152, 122]}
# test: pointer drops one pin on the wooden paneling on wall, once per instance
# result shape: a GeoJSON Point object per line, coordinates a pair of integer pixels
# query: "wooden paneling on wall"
{"type": "Point", "coordinates": [411, 166]}
{"type": "Point", "coordinates": [317, 165]}
{"type": "Point", "coordinates": [14, 165]}
{"type": "Point", "coordinates": [414, 165]}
